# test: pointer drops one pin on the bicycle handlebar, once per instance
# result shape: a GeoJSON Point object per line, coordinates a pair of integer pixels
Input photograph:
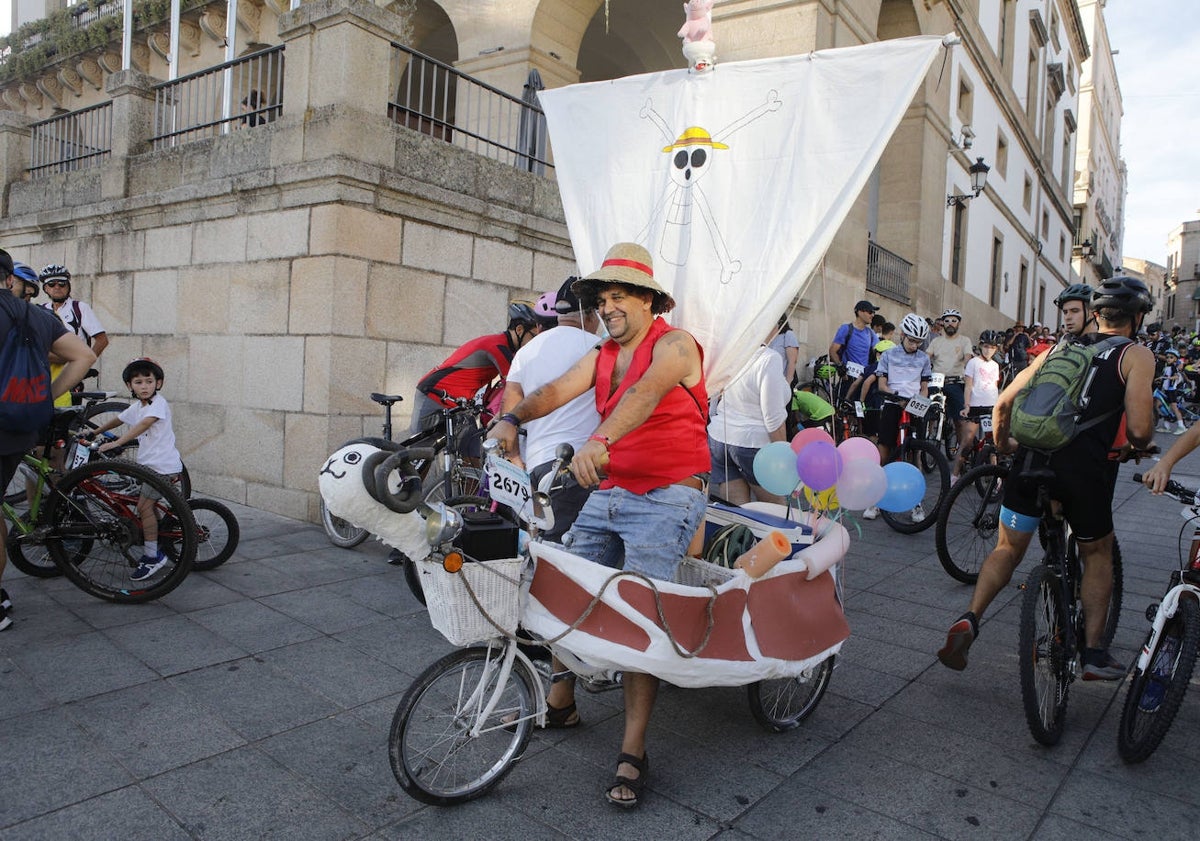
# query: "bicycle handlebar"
{"type": "Point", "coordinates": [1175, 490]}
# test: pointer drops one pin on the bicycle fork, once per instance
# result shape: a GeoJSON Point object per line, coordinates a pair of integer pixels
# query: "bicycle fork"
{"type": "Point", "coordinates": [1159, 615]}
{"type": "Point", "coordinates": [480, 704]}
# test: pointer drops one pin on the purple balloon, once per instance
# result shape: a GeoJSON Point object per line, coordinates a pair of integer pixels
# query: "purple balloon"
{"type": "Point", "coordinates": [819, 465]}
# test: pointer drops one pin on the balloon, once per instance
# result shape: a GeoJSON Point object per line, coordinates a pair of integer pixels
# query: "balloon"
{"type": "Point", "coordinates": [905, 487]}
{"type": "Point", "coordinates": [819, 465]}
{"type": "Point", "coordinates": [823, 500]}
{"type": "Point", "coordinates": [862, 484]}
{"type": "Point", "coordinates": [775, 468]}
{"type": "Point", "coordinates": [808, 436]}
{"type": "Point", "coordinates": [855, 449]}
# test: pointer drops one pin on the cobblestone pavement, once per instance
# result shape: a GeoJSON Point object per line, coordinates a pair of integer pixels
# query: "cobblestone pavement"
{"type": "Point", "coordinates": [255, 701]}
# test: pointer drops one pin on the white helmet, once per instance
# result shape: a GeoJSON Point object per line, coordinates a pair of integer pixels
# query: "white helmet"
{"type": "Point", "coordinates": [914, 327]}
{"type": "Point", "coordinates": [951, 313]}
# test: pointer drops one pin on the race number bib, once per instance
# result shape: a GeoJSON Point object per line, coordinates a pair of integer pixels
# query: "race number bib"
{"type": "Point", "coordinates": [985, 423]}
{"type": "Point", "coordinates": [918, 406]}
{"type": "Point", "coordinates": [79, 455]}
{"type": "Point", "coordinates": [507, 483]}
{"type": "Point", "coordinates": [937, 380]}
{"type": "Point", "coordinates": [854, 370]}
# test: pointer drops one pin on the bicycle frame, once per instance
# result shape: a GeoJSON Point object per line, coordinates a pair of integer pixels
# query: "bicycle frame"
{"type": "Point", "coordinates": [482, 708]}
{"type": "Point", "coordinates": [26, 524]}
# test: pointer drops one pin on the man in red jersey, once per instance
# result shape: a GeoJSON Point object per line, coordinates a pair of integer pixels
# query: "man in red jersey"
{"type": "Point", "coordinates": [649, 456]}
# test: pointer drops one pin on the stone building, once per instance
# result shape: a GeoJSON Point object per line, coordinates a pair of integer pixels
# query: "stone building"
{"type": "Point", "coordinates": [1179, 301]}
{"type": "Point", "coordinates": [356, 226]}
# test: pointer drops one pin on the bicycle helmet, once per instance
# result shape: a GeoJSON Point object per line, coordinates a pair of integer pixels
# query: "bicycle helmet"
{"type": "Point", "coordinates": [951, 313]}
{"type": "Point", "coordinates": [55, 272]}
{"type": "Point", "coordinates": [989, 337]}
{"type": "Point", "coordinates": [142, 365]}
{"type": "Point", "coordinates": [27, 274]}
{"type": "Point", "coordinates": [826, 371]}
{"type": "Point", "coordinates": [1075, 292]}
{"type": "Point", "coordinates": [544, 307]}
{"type": "Point", "coordinates": [519, 313]}
{"type": "Point", "coordinates": [914, 327]}
{"type": "Point", "coordinates": [1124, 293]}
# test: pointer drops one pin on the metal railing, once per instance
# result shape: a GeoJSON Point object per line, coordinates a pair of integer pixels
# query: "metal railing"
{"type": "Point", "coordinates": [79, 140]}
{"type": "Point", "coordinates": [242, 93]}
{"type": "Point", "coordinates": [887, 273]}
{"type": "Point", "coordinates": [83, 16]}
{"type": "Point", "coordinates": [442, 102]}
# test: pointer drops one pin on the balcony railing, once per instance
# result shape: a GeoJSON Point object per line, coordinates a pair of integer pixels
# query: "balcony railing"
{"type": "Point", "coordinates": [242, 93]}
{"type": "Point", "coordinates": [79, 140]}
{"type": "Point", "coordinates": [440, 101]}
{"type": "Point", "coordinates": [887, 273]}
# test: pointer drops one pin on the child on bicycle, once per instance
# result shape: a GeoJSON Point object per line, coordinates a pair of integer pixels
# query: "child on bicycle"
{"type": "Point", "coordinates": [981, 384]}
{"type": "Point", "coordinates": [1172, 381]}
{"type": "Point", "coordinates": [149, 422]}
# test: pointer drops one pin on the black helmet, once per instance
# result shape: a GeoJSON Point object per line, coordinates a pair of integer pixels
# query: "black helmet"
{"type": "Point", "coordinates": [1124, 293]}
{"type": "Point", "coordinates": [519, 313]}
{"type": "Point", "coordinates": [142, 365]}
{"type": "Point", "coordinates": [55, 272]}
{"type": "Point", "coordinates": [990, 337]}
{"type": "Point", "coordinates": [1075, 292]}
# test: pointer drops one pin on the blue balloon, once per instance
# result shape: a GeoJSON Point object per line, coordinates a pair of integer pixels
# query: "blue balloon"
{"type": "Point", "coordinates": [775, 468]}
{"type": "Point", "coordinates": [905, 487]}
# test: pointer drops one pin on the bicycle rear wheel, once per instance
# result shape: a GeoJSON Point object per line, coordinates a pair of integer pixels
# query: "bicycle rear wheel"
{"type": "Point", "coordinates": [217, 533]}
{"type": "Point", "coordinates": [465, 480]}
{"type": "Point", "coordinates": [33, 559]}
{"type": "Point", "coordinates": [781, 704]}
{"type": "Point", "coordinates": [433, 755]}
{"type": "Point", "coordinates": [968, 521]}
{"type": "Point", "coordinates": [937, 485]}
{"type": "Point", "coordinates": [1154, 695]}
{"type": "Point", "coordinates": [1043, 659]}
{"type": "Point", "coordinates": [95, 505]}
{"type": "Point", "coordinates": [341, 533]}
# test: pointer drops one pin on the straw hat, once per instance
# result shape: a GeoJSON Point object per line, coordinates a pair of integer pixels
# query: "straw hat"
{"type": "Point", "coordinates": [694, 136]}
{"type": "Point", "coordinates": [630, 264]}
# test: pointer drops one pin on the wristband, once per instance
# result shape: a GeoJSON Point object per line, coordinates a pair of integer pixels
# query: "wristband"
{"type": "Point", "coordinates": [509, 417]}
{"type": "Point", "coordinates": [601, 439]}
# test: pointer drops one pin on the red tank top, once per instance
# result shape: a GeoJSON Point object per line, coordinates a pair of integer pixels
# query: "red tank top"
{"type": "Point", "coordinates": [672, 444]}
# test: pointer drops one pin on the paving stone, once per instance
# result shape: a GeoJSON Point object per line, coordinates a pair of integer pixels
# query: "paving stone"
{"type": "Point", "coordinates": [128, 814]}
{"type": "Point", "coordinates": [252, 626]}
{"type": "Point", "coordinates": [174, 644]}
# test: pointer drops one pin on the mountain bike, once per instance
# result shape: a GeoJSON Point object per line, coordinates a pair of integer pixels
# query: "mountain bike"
{"type": "Point", "coordinates": [88, 523]}
{"type": "Point", "coordinates": [968, 521]}
{"type": "Point", "coordinates": [927, 456]}
{"type": "Point", "coordinates": [939, 427]}
{"type": "Point", "coordinates": [1051, 635]}
{"type": "Point", "coordinates": [1164, 667]}
{"type": "Point", "coordinates": [448, 475]}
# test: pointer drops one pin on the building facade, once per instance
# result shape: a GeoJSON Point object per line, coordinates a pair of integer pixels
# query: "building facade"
{"type": "Point", "coordinates": [1179, 301]}
{"type": "Point", "coordinates": [347, 229]}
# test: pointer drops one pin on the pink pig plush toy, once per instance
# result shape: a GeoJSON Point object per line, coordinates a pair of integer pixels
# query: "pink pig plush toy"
{"type": "Point", "coordinates": [698, 26]}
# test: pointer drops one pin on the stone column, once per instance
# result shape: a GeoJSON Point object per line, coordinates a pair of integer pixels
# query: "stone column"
{"type": "Point", "coordinates": [14, 152]}
{"type": "Point", "coordinates": [132, 94]}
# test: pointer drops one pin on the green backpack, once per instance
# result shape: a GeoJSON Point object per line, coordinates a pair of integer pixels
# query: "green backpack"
{"type": "Point", "coordinates": [1046, 413]}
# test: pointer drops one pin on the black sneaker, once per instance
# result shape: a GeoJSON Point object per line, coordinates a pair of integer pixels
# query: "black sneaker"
{"type": "Point", "coordinates": [1098, 664]}
{"type": "Point", "coordinates": [5, 601]}
{"type": "Point", "coordinates": [5, 621]}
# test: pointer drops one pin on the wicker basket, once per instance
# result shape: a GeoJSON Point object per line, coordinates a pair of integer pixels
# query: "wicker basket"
{"type": "Point", "coordinates": [694, 572]}
{"type": "Point", "coordinates": [497, 586]}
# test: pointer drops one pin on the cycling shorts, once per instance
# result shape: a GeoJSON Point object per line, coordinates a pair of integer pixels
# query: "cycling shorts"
{"type": "Point", "coordinates": [1084, 489]}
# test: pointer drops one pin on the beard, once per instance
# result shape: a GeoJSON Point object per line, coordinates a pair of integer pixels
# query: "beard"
{"type": "Point", "coordinates": [949, 329]}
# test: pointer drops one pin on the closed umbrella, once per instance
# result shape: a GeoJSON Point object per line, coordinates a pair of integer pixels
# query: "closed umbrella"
{"type": "Point", "coordinates": [531, 130]}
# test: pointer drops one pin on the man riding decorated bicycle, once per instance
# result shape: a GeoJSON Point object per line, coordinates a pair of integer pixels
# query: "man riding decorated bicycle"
{"type": "Point", "coordinates": [1119, 414]}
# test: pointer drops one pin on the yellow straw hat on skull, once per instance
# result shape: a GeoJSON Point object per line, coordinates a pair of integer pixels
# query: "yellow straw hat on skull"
{"type": "Point", "coordinates": [694, 136]}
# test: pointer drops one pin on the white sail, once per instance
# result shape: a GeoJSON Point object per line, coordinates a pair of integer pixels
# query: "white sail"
{"type": "Point", "coordinates": [735, 180]}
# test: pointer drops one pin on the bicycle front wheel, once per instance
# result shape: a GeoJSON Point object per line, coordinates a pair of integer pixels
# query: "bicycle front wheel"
{"type": "Point", "coordinates": [433, 753]}
{"type": "Point", "coordinates": [217, 533]}
{"type": "Point", "coordinates": [95, 506]}
{"type": "Point", "coordinates": [1154, 695]}
{"type": "Point", "coordinates": [340, 532]}
{"type": "Point", "coordinates": [937, 485]}
{"type": "Point", "coordinates": [968, 521]}
{"type": "Point", "coordinates": [1043, 659]}
{"type": "Point", "coordinates": [33, 559]}
{"type": "Point", "coordinates": [781, 704]}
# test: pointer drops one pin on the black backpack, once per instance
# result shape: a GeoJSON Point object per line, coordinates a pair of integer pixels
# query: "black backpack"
{"type": "Point", "coordinates": [25, 401]}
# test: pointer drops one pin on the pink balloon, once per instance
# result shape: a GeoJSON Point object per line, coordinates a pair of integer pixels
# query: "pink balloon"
{"type": "Point", "coordinates": [858, 449]}
{"type": "Point", "coordinates": [819, 465]}
{"type": "Point", "coordinates": [861, 485]}
{"type": "Point", "coordinates": [808, 436]}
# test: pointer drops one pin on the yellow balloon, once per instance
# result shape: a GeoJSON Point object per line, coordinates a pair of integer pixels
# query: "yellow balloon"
{"type": "Point", "coordinates": [825, 500]}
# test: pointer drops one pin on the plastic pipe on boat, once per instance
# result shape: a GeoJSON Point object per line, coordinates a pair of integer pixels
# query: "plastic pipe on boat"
{"type": "Point", "coordinates": [763, 555]}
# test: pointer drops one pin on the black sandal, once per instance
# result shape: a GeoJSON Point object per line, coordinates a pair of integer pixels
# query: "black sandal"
{"type": "Point", "coordinates": [635, 785]}
{"type": "Point", "coordinates": [560, 718]}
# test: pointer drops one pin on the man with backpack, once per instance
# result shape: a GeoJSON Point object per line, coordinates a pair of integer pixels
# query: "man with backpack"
{"type": "Point", "coordinates": [75, 315]}
{"type": "Point", "coordinates": [1067, 412]}
{"type": "Point", "coordinates": [28, 335]}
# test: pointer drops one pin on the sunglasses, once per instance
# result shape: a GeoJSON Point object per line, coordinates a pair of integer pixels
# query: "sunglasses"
{"type": "Point", "coordinates": [49, 284]}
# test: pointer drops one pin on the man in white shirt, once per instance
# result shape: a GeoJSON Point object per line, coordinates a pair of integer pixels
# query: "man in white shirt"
{"type": "Point", "coordinates": [545, 358]}
{"type": "Point", "coordinates": [77, 316]}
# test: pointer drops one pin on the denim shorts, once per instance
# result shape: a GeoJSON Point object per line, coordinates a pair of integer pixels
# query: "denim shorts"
{"type": "Point", "coordinates": [647, 533]}
{"type": "Point", "coordinates": [730, 462]}
{"type": "Point", "coordinates": [955, 399]}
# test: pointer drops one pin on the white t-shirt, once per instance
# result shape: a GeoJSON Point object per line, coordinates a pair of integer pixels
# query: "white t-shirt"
{"type": "Point", "coordinates": [985, 381]}
{"type": "Point", "coordinates": [87, 322]}
{"type": "Point", "coordinates": [949, 355]}
{"type": "Point", "coordinates": [548, 356]}
{"type": "Point", "coordinates": [156, 446]}
{"type": "Point", "coordinates": [753, 404]}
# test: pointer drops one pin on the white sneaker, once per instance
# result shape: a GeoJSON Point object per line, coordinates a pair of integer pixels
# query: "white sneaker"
{"type": "Point", "coordinates": [1179, 429]}
{"type": "Point", "coordinates": [918, 513]}
{"type": "Point", "coordinates": [870, 513]}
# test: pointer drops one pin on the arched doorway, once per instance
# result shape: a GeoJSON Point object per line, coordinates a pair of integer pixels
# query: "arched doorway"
{"type": "Point", "coordinates": [425, 91]}
{"type": "Point", "coordinates": [640, 39]}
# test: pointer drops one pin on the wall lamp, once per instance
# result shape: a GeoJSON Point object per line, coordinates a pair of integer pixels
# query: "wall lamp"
{"type": "Point", "coordinates": [979, 171]}
{"type": "Point", "coordinates": [1086, 250]}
